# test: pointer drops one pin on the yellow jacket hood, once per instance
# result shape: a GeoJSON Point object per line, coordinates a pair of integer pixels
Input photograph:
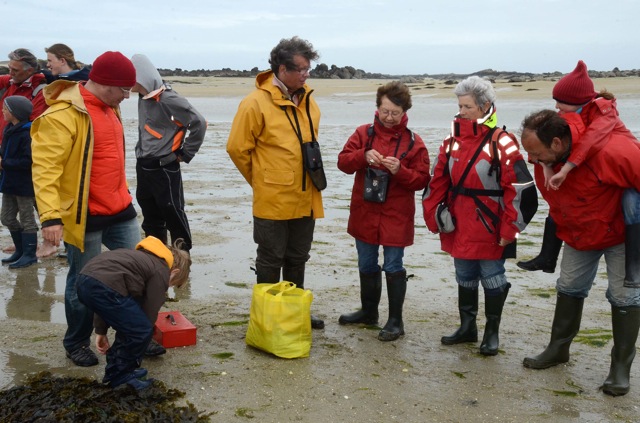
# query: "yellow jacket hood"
{"type": "Point", "coordinates": [157, 248]}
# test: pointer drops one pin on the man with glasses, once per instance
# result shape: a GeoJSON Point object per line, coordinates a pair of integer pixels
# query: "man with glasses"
{"type": "Point", "coordinates": [265, 143]}
{"type": "Point", "coordinates": [24, 79]}
{"type": "Point", "coordinates": [80, 182]}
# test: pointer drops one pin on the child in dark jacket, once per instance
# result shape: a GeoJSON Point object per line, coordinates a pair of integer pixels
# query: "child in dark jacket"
{"type": "Point", "coordinates": [18, 198]}
{"type": "Point", "coordinates": [125, 289]}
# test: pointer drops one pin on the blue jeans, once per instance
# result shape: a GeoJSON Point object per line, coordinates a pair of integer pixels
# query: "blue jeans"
{"type": "Point", "coordinates": [368, 258]}
{"type": "Point", "coordinates": [631, 206]}
{"type": "Point", "coordinates": [578, 271]}
{"type": "Point", "coordinates": [80, 318]}
{"type": "Point", "coordinates": [470, 273]}
{"type": "Point", "coordinates": [126, 317]}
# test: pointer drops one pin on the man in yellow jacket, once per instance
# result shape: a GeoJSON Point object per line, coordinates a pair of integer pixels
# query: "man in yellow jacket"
{"type": "Point", "coordinates": [269, 132]}
{"type": "Point", "coordinates": [80, 183]}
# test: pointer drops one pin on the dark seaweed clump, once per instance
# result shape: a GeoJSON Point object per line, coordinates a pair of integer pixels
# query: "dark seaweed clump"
{"type": "Point", "coordinates": [45, 398]}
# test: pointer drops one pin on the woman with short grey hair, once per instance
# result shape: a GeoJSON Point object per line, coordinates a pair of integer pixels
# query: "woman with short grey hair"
{"type": "Point", "coordinates": [480, 197]}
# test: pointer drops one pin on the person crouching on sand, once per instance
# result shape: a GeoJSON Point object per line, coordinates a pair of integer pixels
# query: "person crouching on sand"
{"type": "Point", "coordinates": [125, 289]}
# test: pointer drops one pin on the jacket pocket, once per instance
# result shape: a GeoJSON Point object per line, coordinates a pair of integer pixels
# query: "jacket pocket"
{"type": "Point", "coordinates": [152, 132]}
{"type": "Point", "coordinates": [66, 201]}
{"type": "Point", "coordinates": [279, 177]}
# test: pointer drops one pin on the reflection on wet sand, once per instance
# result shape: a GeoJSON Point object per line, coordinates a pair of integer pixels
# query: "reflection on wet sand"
{"type": "Point", "coordinates": [30, 299]}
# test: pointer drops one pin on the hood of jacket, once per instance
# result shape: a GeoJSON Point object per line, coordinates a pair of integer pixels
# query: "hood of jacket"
{"type": "Point", "coordinates": [146, 73]}
{"type": "Point", "coordinates": [264, 81]}
{"type": "Point", "coordinates": [63, 91]}
{"type": "Point", "coordinates": [157, 248]}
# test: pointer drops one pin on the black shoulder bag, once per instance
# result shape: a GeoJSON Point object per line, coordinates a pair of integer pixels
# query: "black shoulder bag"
{"type": "Point", "coordinates": [311, 157]}
{"type": "Point", "coordinates": [376, 181]}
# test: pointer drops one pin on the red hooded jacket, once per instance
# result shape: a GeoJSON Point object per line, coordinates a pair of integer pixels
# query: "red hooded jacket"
{"type": "Point", "coordinates": [390, 223]}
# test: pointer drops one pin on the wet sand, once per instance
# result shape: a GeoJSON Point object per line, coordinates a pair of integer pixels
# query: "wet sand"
{"type": "Point", "coordinates": [350, 375]}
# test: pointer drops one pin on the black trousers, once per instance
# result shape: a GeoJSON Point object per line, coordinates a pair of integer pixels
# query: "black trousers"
{"type": "Point", "coordinates": [282, 244]}
{"type": "Point", "coordinates": [161, 198]}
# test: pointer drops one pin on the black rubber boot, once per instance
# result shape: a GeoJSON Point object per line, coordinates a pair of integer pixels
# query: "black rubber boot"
{"type": "Point", "coordinates": [16, 236]}
{"type": "Point", "coordinates": [493, 311]}
{"type": "Point", "coordinates": [267, 274]}
{"type": "Point", "coordinates": [396, 290]}
{"type": "Point", "coordinates": [370, 293]}
{"type": "Point", "coordinates": [296, 275]}
{"type": "Point", "coordinates": [549, 252]}
{"type": "Point", "coordinates": [468, 307]}
{"type": "Point", "coordinates": [625, 323]}
{"type": "Point", "coordinates": [29, 248]}
{"type": "Point", "coordinates": [632, 256]}
{"type": "Point", "coordinates": [566, 324]}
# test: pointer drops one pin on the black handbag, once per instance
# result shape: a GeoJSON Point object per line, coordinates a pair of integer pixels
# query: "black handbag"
{"type": "Point", "coordinates": [376, 182]}
{"type": "Point", "coordinates": [313, 164]}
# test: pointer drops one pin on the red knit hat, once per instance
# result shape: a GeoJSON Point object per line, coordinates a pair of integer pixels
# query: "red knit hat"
{"type": "Point", "coordinates": [575, 88]}
{"type": "Point", "coordinates": [113, 69]}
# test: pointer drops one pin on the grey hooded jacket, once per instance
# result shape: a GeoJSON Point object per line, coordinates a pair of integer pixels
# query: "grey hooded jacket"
{"type": "Point", "coordinates": [164, 118]}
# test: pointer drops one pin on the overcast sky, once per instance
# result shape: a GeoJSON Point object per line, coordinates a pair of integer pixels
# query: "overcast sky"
{"type": "Point", "coordinates": [393, 37]}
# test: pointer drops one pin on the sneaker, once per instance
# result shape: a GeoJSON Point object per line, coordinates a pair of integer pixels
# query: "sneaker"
{"type": "Point", "coordinates": [83, 357]}
{"type": "Point", "coordinates": [138, 384]}
{"type": "Point", "coordinates": [140, 372]}
{"type": "Point", "coordinates": [154, 349]}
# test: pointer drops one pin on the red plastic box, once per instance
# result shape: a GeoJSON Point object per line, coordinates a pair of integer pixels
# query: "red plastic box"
{"type": "Point", "coordinates": [172, 329]}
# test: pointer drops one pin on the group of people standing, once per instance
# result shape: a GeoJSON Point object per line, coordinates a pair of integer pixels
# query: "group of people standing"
{"type": "Point", "coordinates": [73, 159]}
{"type": "Point", "coordinates": [479, 196]}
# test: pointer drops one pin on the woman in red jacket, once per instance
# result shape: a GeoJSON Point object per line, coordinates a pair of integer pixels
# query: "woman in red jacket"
{"type": "Point", "coordinates": [488, 196]}
{"type": "Point", "coordinates": [390, 163]}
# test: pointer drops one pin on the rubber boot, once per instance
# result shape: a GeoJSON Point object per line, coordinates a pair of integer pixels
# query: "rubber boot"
{"type": "Point", "coordinates": [468, 308]}
{"type": "Point", "coordinates": [267, 274]}
{"type": "Point", "coordinates": [370, 293]}
{"type": "Point", "coordinates": [625, 323]}
{"type": "Point", "coordinates": [396, 290]}
{"type": "Point", "coordinates": [29, 248]}
{"type": "Point", "coordinates": [566, 324]}
{"type": "Point", "coordinates": [16, 236]}
{"type": "Point", "coordinates": [295, 274]}
{"type": "Point", "coordinates": [549, 252]}
{"type": "Point", "coordinates": [632, 256]}
{"type": "Point", "coordinates": [493, 311]}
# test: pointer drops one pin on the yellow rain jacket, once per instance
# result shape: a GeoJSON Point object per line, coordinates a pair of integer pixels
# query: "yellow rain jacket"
{"type": "Point", "coordinates": [62, 150]}
{"type": "Point", "coordinates": [264, 145]}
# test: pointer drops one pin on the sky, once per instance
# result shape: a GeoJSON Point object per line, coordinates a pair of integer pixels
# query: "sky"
{"type": "Point", "coordinates": [390, 37]}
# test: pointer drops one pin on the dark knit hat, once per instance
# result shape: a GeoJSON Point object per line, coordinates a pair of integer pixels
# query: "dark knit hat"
{"type": "Point", "coordinates": [113, 69]}
{"type": "Point", "coordinates": [575, 88]}
{"type": "Point", "coordinates": [20, 107]}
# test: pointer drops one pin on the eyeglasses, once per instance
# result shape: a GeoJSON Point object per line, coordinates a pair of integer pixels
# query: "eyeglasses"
{"type": "Point", "coordinates": [394, 113]}
{"type": "Point", "coordinates": [125, 91]}
{"type": "Point", "coordinates": [301, 71]}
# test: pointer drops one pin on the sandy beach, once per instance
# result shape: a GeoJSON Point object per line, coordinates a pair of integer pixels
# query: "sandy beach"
{"type": "Point", "coordinates": [350, 375]}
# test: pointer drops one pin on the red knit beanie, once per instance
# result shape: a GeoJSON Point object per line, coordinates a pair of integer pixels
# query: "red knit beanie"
{"type": "Point", "coordinates": [575, 88]}
{"type": "Point", "coordinates": [113, 69]}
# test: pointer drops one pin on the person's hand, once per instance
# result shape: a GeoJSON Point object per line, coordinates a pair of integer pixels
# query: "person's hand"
{"type": "Point", "coordinates": [373, 157]}
{"type": "Point", "coordinates": [102, 344]}
{"type": "Point", "coordinates": [504, 242]}
{"type": "Point", "coordinates": [53, 234]}
{"type": "Point", "coordinates": [557, 180]}
{"type": "Point", "coordinates": [391, 163]}
{"type": "Point", "coordinates": [548, 174]}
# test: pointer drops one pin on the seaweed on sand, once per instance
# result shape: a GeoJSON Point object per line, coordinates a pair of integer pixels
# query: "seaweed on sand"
{"type": "Point", "coordinates": [46, 398]}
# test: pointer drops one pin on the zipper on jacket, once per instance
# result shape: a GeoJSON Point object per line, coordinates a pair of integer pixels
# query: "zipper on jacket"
{"type": "Point", "coordinates": [85, 159]}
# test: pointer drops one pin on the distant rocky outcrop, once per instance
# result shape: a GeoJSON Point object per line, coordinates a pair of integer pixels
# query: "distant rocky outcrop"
{"type": "Point", "coordinates": [322, 71]}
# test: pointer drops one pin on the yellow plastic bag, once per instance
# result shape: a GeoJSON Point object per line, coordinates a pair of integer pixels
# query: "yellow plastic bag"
{"type": "Point", "coordinates": [280, 319]}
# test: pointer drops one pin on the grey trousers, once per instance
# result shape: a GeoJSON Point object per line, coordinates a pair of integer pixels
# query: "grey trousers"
{"type": "Point", "coordinates": [17, 205]}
